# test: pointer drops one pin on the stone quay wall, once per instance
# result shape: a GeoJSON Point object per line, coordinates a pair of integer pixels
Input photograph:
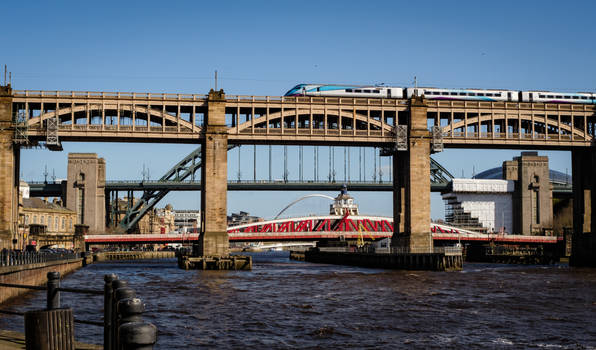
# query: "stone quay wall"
{"type": "Point", "coordinates": [33, 274]}
{"type": "Point", "coordinates": [108, 256]}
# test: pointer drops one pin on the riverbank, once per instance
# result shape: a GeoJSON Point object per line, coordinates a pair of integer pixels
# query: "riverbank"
{"type": "Point", "coordinates": [10, 340]}
{"type": "Point", "coordinates": [285, 304]}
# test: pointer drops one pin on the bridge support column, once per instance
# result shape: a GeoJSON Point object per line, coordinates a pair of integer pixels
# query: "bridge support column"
{"type": "Point", "coordinates": [412, 192]}
{"type": "Point", "coordinates": [214, 240]}
{"type": "Point", "coordinates": [583, 248]}
{"type": "Point", "coordinates": [85, 192]}
{"type": "Point", "coordinates": [9, 173]}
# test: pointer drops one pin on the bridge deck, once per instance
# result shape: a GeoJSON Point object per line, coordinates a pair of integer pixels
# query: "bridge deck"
{"type": "Point", "coordinates": [146, 117]}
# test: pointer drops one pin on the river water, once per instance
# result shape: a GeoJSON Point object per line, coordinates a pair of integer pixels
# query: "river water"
{"type": "Point", "coordinates": [284, 304]}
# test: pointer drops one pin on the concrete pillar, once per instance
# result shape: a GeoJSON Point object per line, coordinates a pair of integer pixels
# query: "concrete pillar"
{"type": "Point", "coordinates": [9, 171]}
{"type": "Point", "coordinates": [214, 240]}
{"type": "Point", "coordinates": [85, 192]}
{"type": "Point", "coordinates": [583, 249]}
{"type": "Point", "coordinates": [415, 166]}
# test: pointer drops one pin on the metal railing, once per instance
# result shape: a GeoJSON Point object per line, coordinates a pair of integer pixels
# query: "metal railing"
{"type": "Point", "coordinates": [15, 258]}
{"type": "Point", "coordinates": [435, 250]}
{"type": "Point", "coordinates": [122, 322]}
{"type": "Point", "coordinates": [368, 249]}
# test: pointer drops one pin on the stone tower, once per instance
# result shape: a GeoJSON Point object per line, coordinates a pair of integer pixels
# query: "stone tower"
{"type": "Point", "coordinates": [85, 193]}
{"type": "Point", "coordinates": [9, 170]}
{"type": "Point", "coordinates": [533, 196]}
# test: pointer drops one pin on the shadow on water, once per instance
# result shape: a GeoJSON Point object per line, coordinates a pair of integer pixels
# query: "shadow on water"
{"type": "Point", "coordinates": [288, 304]}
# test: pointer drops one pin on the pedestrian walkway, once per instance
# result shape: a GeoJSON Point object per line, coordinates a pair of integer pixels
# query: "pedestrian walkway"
{"type": "Point", "coordinates": [15, 340]}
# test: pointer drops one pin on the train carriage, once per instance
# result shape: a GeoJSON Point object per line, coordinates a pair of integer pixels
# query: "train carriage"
{"type": "Point", "coordinates": [464, 94]}
{"type": "Point", "coordinates": [346, 91]}
{"type": "Point", "coordinates": [558, 97]}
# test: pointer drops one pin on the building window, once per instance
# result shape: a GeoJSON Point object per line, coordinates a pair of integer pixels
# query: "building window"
{"type": "Point", "coordinates": [26, 219]}
{"type": "Point", "coordinates": [35, 219]}
{"type": "Point", "coordinates": [56, 223]}
{"type": "Point", "coordinates": [70, 224]}
{"type": "Point", "coordinates": [49, 223]}
{"type": "Point", "coordinates": [42, 220]}
{"type": "Point", "coordinates": [81, 206]}
{"type": "Point", "coordinates": [63, 223]}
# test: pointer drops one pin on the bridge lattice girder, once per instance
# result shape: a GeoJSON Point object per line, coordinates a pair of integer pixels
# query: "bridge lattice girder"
{"type": "Point", "coordinates": [186, 168]}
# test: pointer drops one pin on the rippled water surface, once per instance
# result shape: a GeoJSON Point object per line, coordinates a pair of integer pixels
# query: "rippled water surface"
{"type": "Point", "coordinates": [286, 304]}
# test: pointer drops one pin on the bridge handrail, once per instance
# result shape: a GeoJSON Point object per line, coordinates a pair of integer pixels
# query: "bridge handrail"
{"type": "Point", "coordinates": [107, 94]}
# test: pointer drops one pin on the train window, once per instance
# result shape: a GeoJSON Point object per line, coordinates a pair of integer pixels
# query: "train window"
{"type": "Point", "coordinates": [550, 96]}
{"type": "Point", "coordinates": [366, 91]}
{"type": "Point", "coordinates": [462, 94]}
{"type": "Point", "coordinates": [576, 97]}
{"type": "Point", "coordinates": [584, 98]}
{"type": "Point", "coordinates": [348, 90]}
{"type": "Point", "coordinates": [472, 94]}
{"type": "Point", "coordinates": [542, 96]}
{"type": "Point", "coordinates": [453, 94]}
{"type": "Point", "coordinates": [558, 96]}
{"type": "Point", "coordinates": [481, 94]}
{"type": "Point", "coordinates": [376, 91]}
{"type": "Point", "coordinates": [357, 90]}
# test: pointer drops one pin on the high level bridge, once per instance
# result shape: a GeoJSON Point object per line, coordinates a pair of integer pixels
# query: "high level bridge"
{"type": "Point", "coordinates": [410, 129]}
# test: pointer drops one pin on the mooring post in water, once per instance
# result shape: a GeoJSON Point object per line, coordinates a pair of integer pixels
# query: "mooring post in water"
{"type": "Point", "coordinates": [138, 336]}
{"type": "Point", "coordinates": [53, 302]}
{"type": "Point", "coordinates": [107, 310]}
{"type": "Point", "coordinates": [130, 310]}
{"type": "Point", "coordinates": [121, 293]}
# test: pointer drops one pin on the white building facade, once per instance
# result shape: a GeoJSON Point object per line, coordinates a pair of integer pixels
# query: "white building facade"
{"type": "Point", "coordinates": [482, 204]}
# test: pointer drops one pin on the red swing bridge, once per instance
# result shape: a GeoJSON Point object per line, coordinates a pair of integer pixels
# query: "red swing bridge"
{"type": "Point", "coordinates": [327, 227]}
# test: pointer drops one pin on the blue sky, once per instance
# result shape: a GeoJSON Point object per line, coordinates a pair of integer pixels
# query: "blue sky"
{"type": "Point", "coordinates": [266, 47]}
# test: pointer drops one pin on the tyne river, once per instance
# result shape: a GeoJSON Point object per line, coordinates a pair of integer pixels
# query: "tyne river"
{"type": "Point", "coordinates": [284, 304]}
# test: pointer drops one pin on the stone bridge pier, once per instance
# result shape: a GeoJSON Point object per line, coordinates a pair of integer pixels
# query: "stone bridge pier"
{"type": "Point", "coordinates": [583, 248]}
{"type": "Point", "coordinates": [411, 185]}
{"type": "Point", "coordinates": [214, 240]}
{"type": "Point", "coordinates": [9, 172]}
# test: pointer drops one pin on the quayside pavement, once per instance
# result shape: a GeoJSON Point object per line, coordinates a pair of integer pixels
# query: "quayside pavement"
{"type": "Point", "coordinates": [15, 340]}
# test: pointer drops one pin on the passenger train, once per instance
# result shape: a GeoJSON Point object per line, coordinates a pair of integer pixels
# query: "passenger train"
{"type": "Point", "coordinates": [440, 94]}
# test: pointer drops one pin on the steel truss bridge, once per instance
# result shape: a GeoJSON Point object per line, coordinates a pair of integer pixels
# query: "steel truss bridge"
{"type": "Point", "coordinates": [55, 116]}
{"type": "Point", "coordinates": [315, 228]}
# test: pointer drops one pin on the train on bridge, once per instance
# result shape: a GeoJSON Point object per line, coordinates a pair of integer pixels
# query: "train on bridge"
{"type": "Point", "coordinates": [490, 95]}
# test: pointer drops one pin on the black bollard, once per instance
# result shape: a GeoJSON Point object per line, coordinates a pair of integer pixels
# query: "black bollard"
{"type": "Point", "coordinates": [138, 336]}
{"type": "Point", "coordinates": [116, 284]}
{"type": "Point", "coordinates": [53, 302]}
{"type": "Point", "coordinates": [130, 310]}
{"type": "Point", "coordinates": [107, 310]}
{"type": "Point", "coordinates": [119, 294]}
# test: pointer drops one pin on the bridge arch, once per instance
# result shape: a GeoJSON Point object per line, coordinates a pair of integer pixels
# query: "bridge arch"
{"type": "Point", "coordinates": [149, 115]}
{"type": "Point", "coordinates": [301, 199]}
{"type": "Point", "coordinates": [539, 120]}
{"type": "Point", "coordinates": [345, 115]}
